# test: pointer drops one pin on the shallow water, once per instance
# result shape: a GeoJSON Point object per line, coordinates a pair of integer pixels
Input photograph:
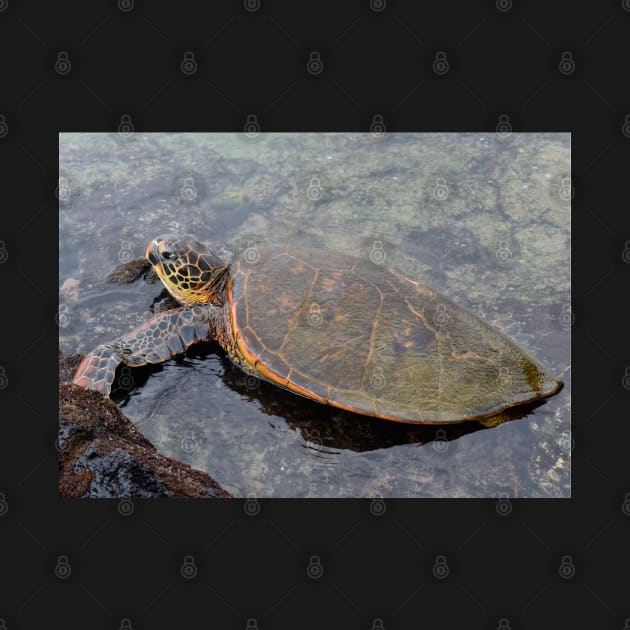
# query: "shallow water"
{"type": "Point", "coordinates": [482, 218]}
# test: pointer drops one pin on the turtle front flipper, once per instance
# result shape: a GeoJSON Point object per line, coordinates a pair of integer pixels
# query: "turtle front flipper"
{"type": "Point", "coordinates": [160, 339]}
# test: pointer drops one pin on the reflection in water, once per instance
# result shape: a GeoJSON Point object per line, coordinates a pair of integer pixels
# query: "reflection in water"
{"type": "Point", "coordinates": [321, 426]}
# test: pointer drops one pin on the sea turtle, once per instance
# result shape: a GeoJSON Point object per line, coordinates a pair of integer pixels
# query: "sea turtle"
{"type": "Point", "coordinates": [336, 329]}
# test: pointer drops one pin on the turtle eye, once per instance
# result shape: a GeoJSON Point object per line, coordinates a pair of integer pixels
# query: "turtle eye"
{"type": "Point", "coordinates": [167, 254]}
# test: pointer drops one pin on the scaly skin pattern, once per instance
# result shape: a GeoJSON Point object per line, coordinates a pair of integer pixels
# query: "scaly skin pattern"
{"type": "Point", "coordinates": [196, 278]}
{"type": "Point", "coordinates": [161, 338]}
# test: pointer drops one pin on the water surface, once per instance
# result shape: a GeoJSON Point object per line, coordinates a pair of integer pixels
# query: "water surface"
{"type": "Point", "coordinates": [483, 218]}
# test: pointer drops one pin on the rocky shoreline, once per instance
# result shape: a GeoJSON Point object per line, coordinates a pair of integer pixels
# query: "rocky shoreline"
{"type": "Point", "coordinates": [103, 455]}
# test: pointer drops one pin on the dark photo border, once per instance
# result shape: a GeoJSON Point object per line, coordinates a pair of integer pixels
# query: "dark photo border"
{"type": "Point", "coordinates": [74, 66]}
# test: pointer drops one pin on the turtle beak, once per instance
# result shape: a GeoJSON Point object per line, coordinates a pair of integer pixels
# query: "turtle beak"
{"type": "Point", "coordinates": [152, 253]}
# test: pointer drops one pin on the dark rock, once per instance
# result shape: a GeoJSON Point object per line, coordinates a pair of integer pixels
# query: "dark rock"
{"type": "Point", "coordinates": [103, 455]}
{"type": "Point", "coordinates": [68, 366]}
{"type": "Point", "coordinates": [118, 474]}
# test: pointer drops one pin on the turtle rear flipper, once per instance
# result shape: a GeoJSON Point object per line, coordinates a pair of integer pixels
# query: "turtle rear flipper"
{"type": "Point", "coordinates": [161, 338]}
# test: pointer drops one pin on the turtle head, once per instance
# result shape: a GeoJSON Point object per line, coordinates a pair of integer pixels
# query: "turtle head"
{"type": "Point", "coordinates": [189, 270]}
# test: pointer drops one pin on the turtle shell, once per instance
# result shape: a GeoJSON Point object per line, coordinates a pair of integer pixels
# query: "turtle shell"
{"type": "Point", "coordinates": [365, 338]}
